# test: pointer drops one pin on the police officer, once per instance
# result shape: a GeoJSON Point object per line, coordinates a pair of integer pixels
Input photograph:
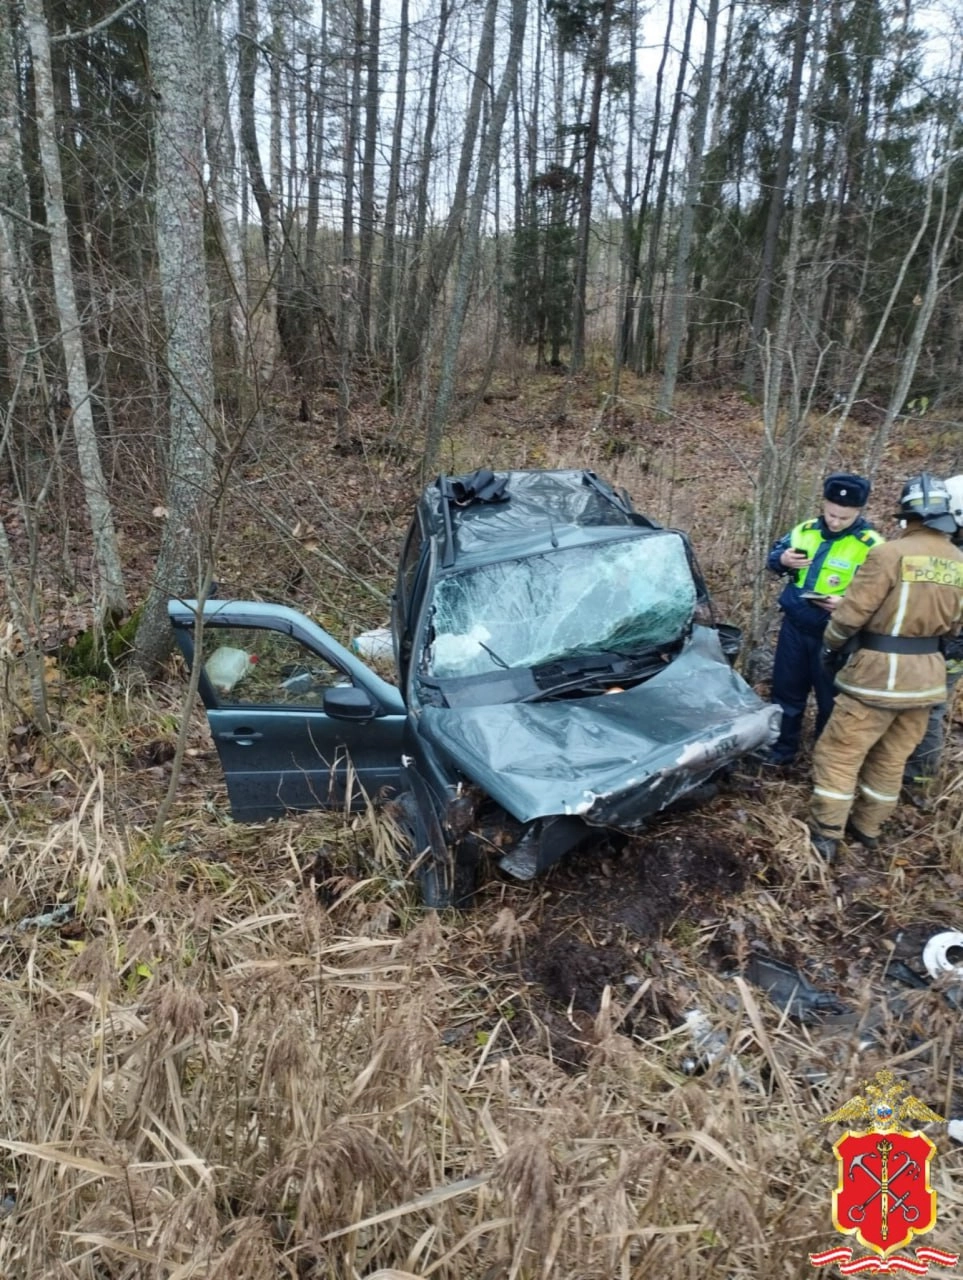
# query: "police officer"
{"type": "Point", "coordinates": [820, 556]}
{"type": "Point", "coordinates": [924, 764]}
{"type": "Point", "coordinates": [907, 596]}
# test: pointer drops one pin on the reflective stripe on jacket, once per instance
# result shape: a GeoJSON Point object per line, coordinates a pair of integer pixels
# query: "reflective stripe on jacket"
{"type": "Point", "coordinates": [835, 559]}
{"type": "Point", "coordinates": [910, 587]}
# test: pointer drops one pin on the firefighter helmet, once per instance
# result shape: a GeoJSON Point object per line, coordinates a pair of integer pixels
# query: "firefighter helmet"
{"type": "Point", "coordinates": [925, 497]}
{"type": "Point", "coordinates": [954, 487]}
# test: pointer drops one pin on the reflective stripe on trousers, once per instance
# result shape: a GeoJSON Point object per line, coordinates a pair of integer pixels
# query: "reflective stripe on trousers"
{"type": "Point", "coordinates": [858, 764]}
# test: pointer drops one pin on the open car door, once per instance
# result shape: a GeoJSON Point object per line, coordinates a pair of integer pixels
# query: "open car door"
{"type": "Point", "coordinates": [298, 721]}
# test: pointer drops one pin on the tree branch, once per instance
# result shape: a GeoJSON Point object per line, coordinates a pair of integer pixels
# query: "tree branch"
{"type": "Point", "coordinates": [98, 26]}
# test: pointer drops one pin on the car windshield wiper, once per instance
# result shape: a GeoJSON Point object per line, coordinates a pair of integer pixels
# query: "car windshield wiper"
{"type": "Point", "coordinates": [584, 671]}
{"type": "Point", "coordinates": [494, 656]}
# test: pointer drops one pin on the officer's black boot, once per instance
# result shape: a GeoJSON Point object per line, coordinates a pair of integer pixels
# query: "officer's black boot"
{"type": "Point", "coordinates": [824, 845]}
{"type": "Point", "coordinates": [860, 837]}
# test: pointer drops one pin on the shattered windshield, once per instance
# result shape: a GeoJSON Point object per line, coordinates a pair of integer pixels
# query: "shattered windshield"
{"type": "Point", "coordinates": [623, 596]}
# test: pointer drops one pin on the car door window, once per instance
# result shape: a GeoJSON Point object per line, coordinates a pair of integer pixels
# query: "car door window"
{"type": "Point", "coordinates": [252, 667]}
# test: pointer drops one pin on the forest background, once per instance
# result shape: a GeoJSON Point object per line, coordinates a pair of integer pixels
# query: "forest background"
{"type": "Point", "coordinates": [263, 270]}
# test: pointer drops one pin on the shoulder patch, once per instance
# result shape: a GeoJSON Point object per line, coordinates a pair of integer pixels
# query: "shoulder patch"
{"type": "Point", "coordinates": [871, 537]}
{"type": "Point", "coordinates": [809, 524]}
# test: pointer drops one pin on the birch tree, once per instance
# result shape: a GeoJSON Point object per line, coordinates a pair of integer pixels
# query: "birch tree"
{"type": "Point", "coordinates": [109, 596]}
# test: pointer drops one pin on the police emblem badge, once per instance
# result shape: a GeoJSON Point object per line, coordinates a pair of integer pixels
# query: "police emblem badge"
{"type": "Point", "coordinates": [883, 1195]}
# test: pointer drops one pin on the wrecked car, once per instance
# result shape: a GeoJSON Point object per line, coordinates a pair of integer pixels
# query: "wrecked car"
{"type": "Point", "coordinates": [558, 673]}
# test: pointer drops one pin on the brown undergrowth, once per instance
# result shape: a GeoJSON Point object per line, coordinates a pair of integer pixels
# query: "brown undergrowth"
{"type": "Point", "coordinates": [247, 1053]}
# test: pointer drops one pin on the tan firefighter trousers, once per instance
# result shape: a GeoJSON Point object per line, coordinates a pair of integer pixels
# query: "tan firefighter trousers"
{"type": "Point", "coordinates": [858, 764]}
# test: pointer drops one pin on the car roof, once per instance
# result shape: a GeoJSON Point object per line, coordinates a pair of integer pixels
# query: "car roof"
{"type": "Point", "coordinates": [486, 514]}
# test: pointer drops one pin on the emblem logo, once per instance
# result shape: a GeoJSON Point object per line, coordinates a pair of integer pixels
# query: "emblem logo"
{"type": "Point", "coordinates": [883, 1195]}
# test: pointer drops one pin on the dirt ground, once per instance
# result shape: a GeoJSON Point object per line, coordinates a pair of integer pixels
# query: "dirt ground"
{"type": "Point", "coordinates": [715, 891]}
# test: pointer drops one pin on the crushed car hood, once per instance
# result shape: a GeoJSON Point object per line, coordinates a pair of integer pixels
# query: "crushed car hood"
{"type": "Point", "coordinates": [611, 759]}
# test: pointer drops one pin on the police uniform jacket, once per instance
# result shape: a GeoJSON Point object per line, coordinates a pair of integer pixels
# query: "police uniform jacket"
{"type": "Point", "coordinates": [907, 596]}
{"type": "Point", "coordinates": [835, 559]}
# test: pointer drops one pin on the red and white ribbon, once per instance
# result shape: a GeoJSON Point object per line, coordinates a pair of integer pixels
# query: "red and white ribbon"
{"type": "Point", "coordinates": [918, 1266]}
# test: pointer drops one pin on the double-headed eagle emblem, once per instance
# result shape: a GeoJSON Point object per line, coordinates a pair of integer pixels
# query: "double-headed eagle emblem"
{"type": "Point", "coordinates": [884, 1106]}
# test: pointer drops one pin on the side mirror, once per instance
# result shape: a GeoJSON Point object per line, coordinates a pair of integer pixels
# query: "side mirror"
{"type": "Point", "coordinates": [347, 702]}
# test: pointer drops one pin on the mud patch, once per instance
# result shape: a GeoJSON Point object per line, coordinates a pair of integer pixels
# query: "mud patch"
{"type": "Point", "coordinates": [600, 924]}
{"type": "Point", "coordinates": [644, 888]}
{"type": "Point", "coordinates": [575, 973]}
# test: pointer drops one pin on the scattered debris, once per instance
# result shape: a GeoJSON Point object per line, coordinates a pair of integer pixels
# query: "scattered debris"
{"type": "Point", "coordinates": [943, 953]}
{"type": "Point", "coordinates": [708, 1043]}
{"type": "Point", "coordinates": [57, 915]}
{"type": "Point", "coordinates": [790, 991]}
{"type": "Point", "coordinates": [375, 645]}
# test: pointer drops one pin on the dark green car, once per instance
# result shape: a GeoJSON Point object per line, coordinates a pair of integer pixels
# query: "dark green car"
{"type": "Point", "coordinates": [558, 672]}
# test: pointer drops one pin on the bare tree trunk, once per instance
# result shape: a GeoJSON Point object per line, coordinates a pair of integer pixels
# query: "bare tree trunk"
{"type": "Point", "coordinates": [782, 431]}
{"type": "Point", "coordinates": [626, 256]}
{"type": "Point", "coordinates": [366, 205]}
{"type": "Point", "coordinates": [176, 34]}
{"type": "Point", "coordinates": [777, 195]}
{"type": "Point", "coordinates": [109, 589]}
{"type": "Point", "coordinates": [583, 233]}
{"type": "Point", "coordinates": [22, 618]}
{"type": "Point", "coordinates": [439, 261]}
{"type": "Point", "coordinates": [466, 265]}
{"type": "Point", "coordinates": [225, 194]}
{"type": "Point", "coordinates": [943, 244]}
{"type": "Point", "coordinates": [680, 287]}
{"type": "Point", "coordinates": [388, 318]}
{"type": "Point", "coordinates": [248, 35]}
{"type": "Point", "coordinates": [14, 232]}
{"type": "Point", "coordinates": [644, 345]}
{"type": "Point", "coordinates": [347, 292]}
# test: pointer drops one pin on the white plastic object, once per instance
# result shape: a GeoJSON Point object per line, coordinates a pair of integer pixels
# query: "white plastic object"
{"type": "Point", "coordinates": [936, 954]}
{"type": "Point", "coordinates": [376, 644]}
{"type": "Point", "coordinates": [955, 1129]}
{"type": "Point", "coordinates": [708, 1043]}
{"type": "Point", "coordinates": [227, 666]}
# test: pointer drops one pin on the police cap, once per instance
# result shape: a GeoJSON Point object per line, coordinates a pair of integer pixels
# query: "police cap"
{"type": "Point", "coordinates": [846, 490]}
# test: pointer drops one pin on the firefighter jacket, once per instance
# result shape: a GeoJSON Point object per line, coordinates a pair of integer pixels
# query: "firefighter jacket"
{"type": "Point", "coordinates": [904, 605]}
{"type": "Point", "coordinates": [835, 559]}
{"type": "Point", "coordinates": [953, 648]}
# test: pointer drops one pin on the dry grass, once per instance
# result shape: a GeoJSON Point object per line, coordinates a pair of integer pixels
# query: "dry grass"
{"type": "Point", "coordinates": [213, 1067]}
{"type": "Point", "coordinates": [207, 1073]}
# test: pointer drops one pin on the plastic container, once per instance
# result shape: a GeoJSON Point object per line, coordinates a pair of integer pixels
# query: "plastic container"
{"type": "Point", "coordinates": [376, 645]}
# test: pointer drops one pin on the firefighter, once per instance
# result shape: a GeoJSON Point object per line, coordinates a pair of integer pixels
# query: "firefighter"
{"type": "Point", "coordinates": [924, 764]}
{"type": "Point", "coordinates": [820, 556]}
{"type": "Point", "coordinates": [906, 598]}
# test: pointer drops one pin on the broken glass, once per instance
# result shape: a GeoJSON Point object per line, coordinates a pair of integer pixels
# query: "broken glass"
{"type": "Point", "coordinates": [620, 596]}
